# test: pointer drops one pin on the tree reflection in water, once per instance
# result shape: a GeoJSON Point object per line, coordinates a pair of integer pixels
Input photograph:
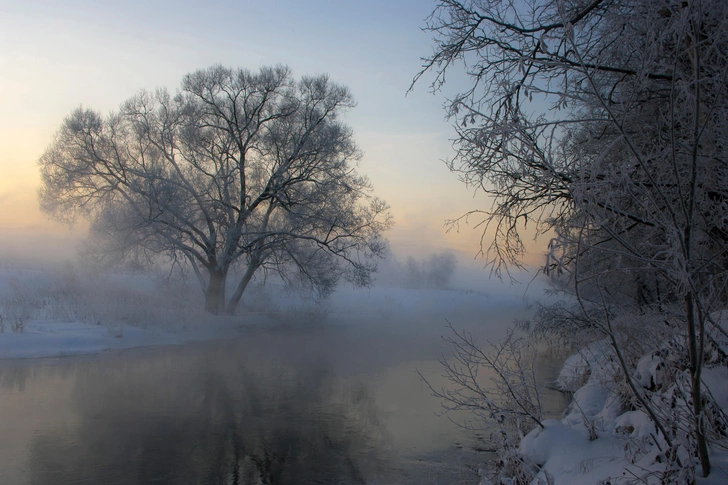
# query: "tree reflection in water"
{"type": "Point", "coordinates": [213, 414]}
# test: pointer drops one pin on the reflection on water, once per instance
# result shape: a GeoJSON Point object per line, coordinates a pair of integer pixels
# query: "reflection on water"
{"type": "Point", "coordinates": [331, 404]}
{"type": "Point", "coordinates": [216, 416]}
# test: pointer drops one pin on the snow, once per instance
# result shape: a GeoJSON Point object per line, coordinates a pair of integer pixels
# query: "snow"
{"type": "Point", "coordinates": [716, 379]}
{"type": "Point", "coordinates": [577, 369]}
{"type": "Point", "coordinates": [634, 424]}
{"type": "Point", "coordinates": [648, 373]}
{"type": "Point", "coordinates": [68, 312]}
{"type": "Point", "coordinates": [64, 313]}
{"type": "Point", "coordinates": [43, 339]}
{"type": "Point", "coordinates": [598, 441]}
{"type": "Point", "coordinates": [49, 339]}
{"type": "Point", "coordinates": [568, 455]}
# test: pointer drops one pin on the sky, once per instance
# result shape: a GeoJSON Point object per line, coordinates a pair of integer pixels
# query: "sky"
{"type": "Point", "coordinates": [58, 55]}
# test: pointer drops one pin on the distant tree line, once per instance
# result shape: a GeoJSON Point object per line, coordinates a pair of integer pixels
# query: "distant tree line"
{"type": "Point", "coordinates": [435, 271]}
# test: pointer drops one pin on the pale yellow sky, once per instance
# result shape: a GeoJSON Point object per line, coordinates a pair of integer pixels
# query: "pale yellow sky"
{"type": "Point", "coordinates": [56, 56]}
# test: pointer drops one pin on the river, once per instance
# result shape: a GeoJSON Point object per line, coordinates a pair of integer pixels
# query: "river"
{"type": "Point", "coordinates": [280, 404]}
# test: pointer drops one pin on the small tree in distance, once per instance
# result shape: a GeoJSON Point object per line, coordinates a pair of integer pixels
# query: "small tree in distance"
{"type": "Point", "coordinates": [434, 272]}
{"type": "Point", "coordinates": [440, 268]}
{"type": "Point", "coordinates": [237, 168]}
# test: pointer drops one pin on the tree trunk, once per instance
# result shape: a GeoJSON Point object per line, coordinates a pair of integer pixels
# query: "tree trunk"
{"type": "Point", "coordinates": [215, 294]}
{"type": "Point", "coordinates": [235, 299]}
{"type": "Point", "coordinates": [696, 361]}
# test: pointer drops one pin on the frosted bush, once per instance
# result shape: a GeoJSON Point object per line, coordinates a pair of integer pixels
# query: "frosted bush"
{"type": "Point", "coordinates": [19, 306]}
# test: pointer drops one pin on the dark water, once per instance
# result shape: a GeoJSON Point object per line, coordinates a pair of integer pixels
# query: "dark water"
{"type": "Point", "coordinates": [328, 404]}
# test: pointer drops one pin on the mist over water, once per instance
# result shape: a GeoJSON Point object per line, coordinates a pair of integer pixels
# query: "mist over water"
{"type": "Point", "coordinates": [331, 403]}
{"type": "Point", "coordinates": [313, 393]}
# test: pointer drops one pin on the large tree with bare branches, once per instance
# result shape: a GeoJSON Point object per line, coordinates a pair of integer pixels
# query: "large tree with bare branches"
{"type": "Point", "coordinates": [254, 169]}
{"type": "Point", "coordinates": [604, 123]}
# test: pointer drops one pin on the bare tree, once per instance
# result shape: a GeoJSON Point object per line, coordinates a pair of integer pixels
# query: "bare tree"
{"type": "Point", "coordinates": [440, 269]}
{"type": "Point", "coordinates": [498, 385]}
{"type": "Point", "coordinates": [434, 272]}
{"type": "Point", "coordinates": [236, 168]}
{"type": "Point", "coordinates": [605, 124]}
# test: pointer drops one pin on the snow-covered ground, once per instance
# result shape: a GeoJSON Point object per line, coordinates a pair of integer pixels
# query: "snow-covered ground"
{"type": "Point", "coordinates": [598, 442]}
{"type": "Point", "coordinates": [61, 311]}
{"type": "Point", "coordinates": [57, 312]}
{"type": "Point", "coordinates": [43, 339]}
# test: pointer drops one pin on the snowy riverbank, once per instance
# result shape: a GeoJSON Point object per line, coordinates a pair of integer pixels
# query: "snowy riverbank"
{"type": "Point", "coordinates": [602, 440]}
{"type": "Point", "coordinates": [60, 312]}
{"type": "Point", "coordinates": [56, 338]}
{"type": "Point", "coordinates": [54, 312]}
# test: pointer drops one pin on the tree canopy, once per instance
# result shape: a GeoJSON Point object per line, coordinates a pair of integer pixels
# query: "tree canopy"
{"type": "Point", "coordinates": [604, 123]}
{"type": "Point", "coordinates": [238, 169]}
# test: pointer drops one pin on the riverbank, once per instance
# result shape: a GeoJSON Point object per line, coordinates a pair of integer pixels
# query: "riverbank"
{"type": "Point", "coordinates": [59, 312]}
{"type": "Point", "coordinates": [56, 312]}
{"type": "Point", "coordinates": [604, 439]}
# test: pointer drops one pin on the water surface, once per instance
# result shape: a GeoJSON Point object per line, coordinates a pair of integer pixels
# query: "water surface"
{"type": "Point", "coordinates": [281, 404]}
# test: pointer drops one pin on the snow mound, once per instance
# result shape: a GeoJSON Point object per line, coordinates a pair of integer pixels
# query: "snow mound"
{"type": "Point", "coordinates": [600, 440]}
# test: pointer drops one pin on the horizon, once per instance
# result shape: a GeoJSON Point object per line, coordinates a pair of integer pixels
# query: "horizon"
{"type": "Point", "coordinates": [98, 55]}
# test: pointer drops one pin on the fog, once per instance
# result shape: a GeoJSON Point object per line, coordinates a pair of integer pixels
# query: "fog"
{"type": "Point", "coordinates": [291, 389]}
